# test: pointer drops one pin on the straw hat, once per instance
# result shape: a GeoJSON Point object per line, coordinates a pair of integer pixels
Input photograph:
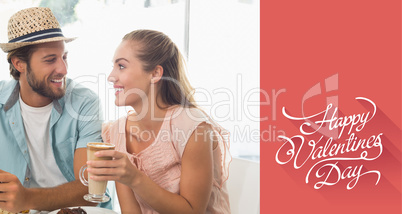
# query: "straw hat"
{"type": "Point", "coordinates": [32, 26]}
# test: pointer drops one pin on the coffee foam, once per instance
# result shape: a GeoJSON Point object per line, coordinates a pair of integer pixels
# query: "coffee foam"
{"type": "Point", "coordinates": [100, 146]}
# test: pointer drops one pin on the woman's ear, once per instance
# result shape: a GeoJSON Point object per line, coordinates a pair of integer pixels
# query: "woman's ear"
{"type": "Point", "coordinates": [157, 74]}
{"type": "Point", "coordinates": [19, 64]}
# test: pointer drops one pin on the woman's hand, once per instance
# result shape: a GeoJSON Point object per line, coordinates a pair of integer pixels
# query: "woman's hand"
{"type": "Point", "coordinates": [119, 169]}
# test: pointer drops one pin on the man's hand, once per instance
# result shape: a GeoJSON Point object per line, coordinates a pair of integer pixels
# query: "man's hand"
{"type": "Point", "coordinates": [13, 196]}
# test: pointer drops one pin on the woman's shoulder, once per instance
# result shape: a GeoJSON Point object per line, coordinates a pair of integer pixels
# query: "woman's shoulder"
{"type": "Point", "coordinates": [113, 128]}
{"type": "Point", "coordinates": [187, 116]}
{"type": "Point", "coordinates": [184, 121]}
{"type": "Point", "coordinates": [114, 123]}
{"type": "Point", "coordinates": [190, 118]}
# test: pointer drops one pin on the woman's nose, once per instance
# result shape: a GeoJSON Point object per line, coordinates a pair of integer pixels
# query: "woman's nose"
{"type": "Point", "coordinates": [111, 78]}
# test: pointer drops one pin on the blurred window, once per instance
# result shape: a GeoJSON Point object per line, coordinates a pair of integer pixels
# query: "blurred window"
{"type": "Point", "coordinates": [219, 38]}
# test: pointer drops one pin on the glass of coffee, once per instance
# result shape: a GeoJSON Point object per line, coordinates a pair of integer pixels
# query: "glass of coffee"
{"type": "Point", "coordinates": [97, 189]}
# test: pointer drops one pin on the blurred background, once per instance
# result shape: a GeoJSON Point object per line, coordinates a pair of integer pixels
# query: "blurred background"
{"type": "Point", "coordinates": [220, 40]}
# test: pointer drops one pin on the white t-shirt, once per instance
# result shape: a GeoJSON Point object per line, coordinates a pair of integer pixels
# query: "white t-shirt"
{"type": "Point", "coordinates": [44, 169]}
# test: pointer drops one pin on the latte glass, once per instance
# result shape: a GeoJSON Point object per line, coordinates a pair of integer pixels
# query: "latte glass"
{"type": "Point", "coordinates": [96, 189]}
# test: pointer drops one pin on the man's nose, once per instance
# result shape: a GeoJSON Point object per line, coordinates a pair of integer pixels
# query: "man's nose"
{"type": "Point", "coordinates": [62, 67]}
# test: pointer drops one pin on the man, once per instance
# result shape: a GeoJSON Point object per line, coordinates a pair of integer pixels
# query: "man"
{"type": "Point", "coordinates": [46, 120]}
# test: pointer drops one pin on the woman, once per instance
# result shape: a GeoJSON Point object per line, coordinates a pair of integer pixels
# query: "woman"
{"type": "Point", "coordinates": [170, 156]}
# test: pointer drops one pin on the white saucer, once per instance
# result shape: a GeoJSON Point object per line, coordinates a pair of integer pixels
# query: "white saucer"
{"type": "Point", "coordinates": [90, 210]}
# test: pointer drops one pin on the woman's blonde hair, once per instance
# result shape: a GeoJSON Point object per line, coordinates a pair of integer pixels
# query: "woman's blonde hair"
{"type": "Point", "coordinates": [156, 48]}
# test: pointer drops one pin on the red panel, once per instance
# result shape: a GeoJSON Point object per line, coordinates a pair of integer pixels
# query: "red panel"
{"type": "Point", "coordinates": [319, 52]}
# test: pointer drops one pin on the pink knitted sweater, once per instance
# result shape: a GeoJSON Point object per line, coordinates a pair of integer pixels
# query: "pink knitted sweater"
{"type": "Point", "coordinates": [161, 161]}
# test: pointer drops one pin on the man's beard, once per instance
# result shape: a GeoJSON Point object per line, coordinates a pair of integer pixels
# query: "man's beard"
{"type": "Point", "coordinates": [42, 88]}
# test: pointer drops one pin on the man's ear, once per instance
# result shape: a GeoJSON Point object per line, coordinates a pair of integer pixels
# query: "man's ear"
{"type": "Point", "coordinates": [19, 64]}
{"type": "Point", "coordinates": [157, 74]}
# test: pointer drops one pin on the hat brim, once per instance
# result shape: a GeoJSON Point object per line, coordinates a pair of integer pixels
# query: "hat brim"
{"type": "Point", "coordinates": [7, 47]}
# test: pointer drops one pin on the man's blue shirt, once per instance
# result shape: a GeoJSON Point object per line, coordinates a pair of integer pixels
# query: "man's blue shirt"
{"type": "Point", "coordinates": [75, 120]}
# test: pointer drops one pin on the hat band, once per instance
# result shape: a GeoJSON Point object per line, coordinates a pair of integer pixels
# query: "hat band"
{"type": "Point", "coordinates": [39, 35]}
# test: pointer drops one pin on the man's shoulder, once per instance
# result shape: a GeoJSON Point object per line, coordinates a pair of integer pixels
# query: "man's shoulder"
{"type": "Point", "coordinates": [6, 88]}
{"type": "Point", "coordinates": [79, 100]}
{"type": "Point", "coordinates": [75, 90]}
{"type": "Point", "coordinates": [6, 84]}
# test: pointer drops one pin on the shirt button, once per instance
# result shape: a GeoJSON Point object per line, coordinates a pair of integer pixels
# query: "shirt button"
{"type": "Point", "coordinates": [26, 179]}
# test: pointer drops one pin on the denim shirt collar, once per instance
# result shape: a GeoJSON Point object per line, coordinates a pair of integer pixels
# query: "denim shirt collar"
{"type": "Point", "coordinates": [14, 96]}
